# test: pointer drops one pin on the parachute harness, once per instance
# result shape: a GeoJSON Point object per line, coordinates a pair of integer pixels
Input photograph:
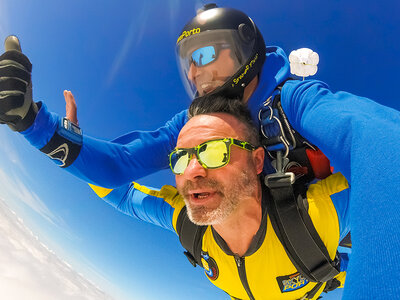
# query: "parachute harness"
{"type": "Point", "coordinates": [288, 205]}
{"type": "Point", "coordinates": [278, 135]}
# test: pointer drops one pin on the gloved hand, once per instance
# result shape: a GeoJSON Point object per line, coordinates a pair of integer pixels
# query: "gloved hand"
{"type": "Point", "coordinates": [17, 108]}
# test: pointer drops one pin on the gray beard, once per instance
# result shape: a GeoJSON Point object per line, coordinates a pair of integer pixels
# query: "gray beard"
{"type": "Point", "coordinates": [243, 185]}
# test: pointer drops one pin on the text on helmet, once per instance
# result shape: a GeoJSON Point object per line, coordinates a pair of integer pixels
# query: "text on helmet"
{"type": "Point", "coordinates": [188, 33]}
{"type": "Point", "coordinates": [246, 69]}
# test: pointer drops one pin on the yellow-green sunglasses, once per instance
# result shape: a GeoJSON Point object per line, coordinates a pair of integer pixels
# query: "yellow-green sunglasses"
{"type": "Point", "coordinates": [211, 154]}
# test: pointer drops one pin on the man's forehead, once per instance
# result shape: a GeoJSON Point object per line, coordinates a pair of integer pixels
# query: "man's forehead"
{"type": "Point", "coordinates": [205, 127]}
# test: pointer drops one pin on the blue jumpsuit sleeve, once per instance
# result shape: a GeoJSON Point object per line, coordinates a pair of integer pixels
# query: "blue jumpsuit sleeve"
{"type": "Point", "coordinates": [144, 203]}
{"type": "Point", "coordinates": [361, 138]}
{"type": "Point", "coordinates": [113, 163]}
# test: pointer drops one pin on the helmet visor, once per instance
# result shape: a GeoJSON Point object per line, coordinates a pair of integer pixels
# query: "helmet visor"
{"type": "Point", "coordinates": [208, 59]}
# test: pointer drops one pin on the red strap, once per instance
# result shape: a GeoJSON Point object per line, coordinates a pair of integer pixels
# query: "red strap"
{"type": "Point", "coordinates": [320, 163]}
{"type": "Point", "coordinates": [296, 170]}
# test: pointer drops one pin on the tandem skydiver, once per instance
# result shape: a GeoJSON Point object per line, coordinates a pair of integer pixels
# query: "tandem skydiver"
{"type": "Point", "coordinates": [258, 74]}
{"type": "Point", "coordinates": [223, 213]}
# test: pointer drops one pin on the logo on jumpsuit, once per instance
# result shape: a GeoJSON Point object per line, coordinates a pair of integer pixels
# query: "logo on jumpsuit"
{"type": "Point", "coordinates": [210, 266]}
{"type": "Point", "coordinates": [291, 282]}
{"type": "Point", "coordinates": [60, 154]}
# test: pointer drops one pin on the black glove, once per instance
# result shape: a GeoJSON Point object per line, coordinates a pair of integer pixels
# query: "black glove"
{"type": "Point", "coordinates": [17, 108]}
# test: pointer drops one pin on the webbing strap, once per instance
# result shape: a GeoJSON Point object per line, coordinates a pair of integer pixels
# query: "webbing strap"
{"type": "Point", "coordinates": [295, 230]}
{"type": "Point", "coordinates": [190, 236]}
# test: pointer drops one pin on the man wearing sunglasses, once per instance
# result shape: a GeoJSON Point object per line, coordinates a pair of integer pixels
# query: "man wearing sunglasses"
{"type": "Point", "coordinates": [351, 130]}
{"type": "Point", "coordinates": [222, 204]}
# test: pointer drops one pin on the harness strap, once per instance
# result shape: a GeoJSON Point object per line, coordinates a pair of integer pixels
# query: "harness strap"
{"type": "Point", "coordinates": [190, 236]}
{"type": "Point", "coordinates": [295, 230]}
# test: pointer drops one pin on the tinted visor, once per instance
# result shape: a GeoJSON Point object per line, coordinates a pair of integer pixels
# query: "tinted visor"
{"type": "Point", "coordinates": [206, 55]}
{"type": "Point", "coordinates": [204, 48]}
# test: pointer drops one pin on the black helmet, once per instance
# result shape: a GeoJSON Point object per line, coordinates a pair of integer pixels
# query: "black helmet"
{"type": "Point", "coordinates": [213, 32]}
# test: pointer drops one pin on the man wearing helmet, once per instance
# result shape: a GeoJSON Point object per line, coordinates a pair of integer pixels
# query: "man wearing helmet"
{"type": "Point", "coordinates": [224, 56]}
{"type": "Point", "coordinates": [258, 74]}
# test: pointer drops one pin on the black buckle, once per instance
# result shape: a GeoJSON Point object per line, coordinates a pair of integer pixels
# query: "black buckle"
{"type": "Point", "coordinates": [278, 180]}
{"type": "Point", "coordinates": [190, 258]}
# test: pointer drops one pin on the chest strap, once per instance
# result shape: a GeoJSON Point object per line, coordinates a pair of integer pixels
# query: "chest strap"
{"type": "Point", "coordinates": [296, 232]}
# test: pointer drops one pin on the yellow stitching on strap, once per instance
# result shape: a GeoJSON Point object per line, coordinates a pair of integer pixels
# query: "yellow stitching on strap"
{"type": "Point", "coordinates": [100, 191]}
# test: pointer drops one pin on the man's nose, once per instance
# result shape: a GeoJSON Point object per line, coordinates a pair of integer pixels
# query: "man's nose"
{"type": "Point", "coordinates": [193, 72]}
{"type": "Point", "coordinates": [194, 169]}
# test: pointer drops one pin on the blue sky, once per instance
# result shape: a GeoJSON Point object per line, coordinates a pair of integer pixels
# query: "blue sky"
{"type": "Point", "coordinates": [118, 59]}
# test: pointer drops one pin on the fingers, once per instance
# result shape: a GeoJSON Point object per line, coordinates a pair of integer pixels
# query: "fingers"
{"type": "Point", "coordinates": [16, 106]}
{"type": "Point", "coordinates": [12, 43]}
{"type": "Point", "coordinates": [70, 107]}
{"type": "Point", "coordinates": [17, 59]}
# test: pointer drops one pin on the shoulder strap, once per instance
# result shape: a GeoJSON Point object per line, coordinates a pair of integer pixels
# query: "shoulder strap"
{"type": "Point", "coordinates": [190, 236]}
{"type": "Point", "coordinates": [295, 230]}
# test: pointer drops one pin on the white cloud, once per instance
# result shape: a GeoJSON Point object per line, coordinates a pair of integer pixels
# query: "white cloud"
{"type": "Point", "coordinates": [10, 143]}
{"type": "Point", "coordinates": [14, 180]}
{"type": "Point", "coordinates": [30, 271]}
{"type": "Point", "coordinates": [12, 187]}
{"type": "Point", "coordinates": [15, 186]}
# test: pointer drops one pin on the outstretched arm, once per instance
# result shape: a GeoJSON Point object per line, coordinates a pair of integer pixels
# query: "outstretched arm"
{"type": "Point", "coordinates": [146, 204]}
{"type": "Point", "coordinates": [160, 207]}
{"type": "Point", "coordinates": [361, 138]}
{"type": "Point", "coordinates": [104, 163]}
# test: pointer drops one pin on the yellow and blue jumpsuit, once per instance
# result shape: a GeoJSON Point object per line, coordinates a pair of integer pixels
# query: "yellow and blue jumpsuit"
{"type": "Point", "coordinates": [265, 271]}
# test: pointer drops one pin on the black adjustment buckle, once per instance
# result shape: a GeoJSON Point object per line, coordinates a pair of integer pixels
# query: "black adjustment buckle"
{"type": "Point", "coordinates": [190, 258]}
{"type": "Point", "coordinates": [278, 180]}
{"type": "Point", "coordinates": [325, 272]}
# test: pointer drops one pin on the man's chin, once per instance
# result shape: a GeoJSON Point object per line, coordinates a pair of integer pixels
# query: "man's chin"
{"type": "Point", "coordinates": [203, 221]}
{"type": "Point", "coordinates": [203, 216]}
{"type": "Point", "coordinates": [209, 87]}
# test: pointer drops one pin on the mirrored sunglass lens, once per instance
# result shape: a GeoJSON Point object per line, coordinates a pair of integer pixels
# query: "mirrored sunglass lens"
{"type": "Point", "coordinates": [214, 154]}
{"type": "Point", "coordinates": [204, 55]}
{"type": "Point", "coordinates": [179, 161]}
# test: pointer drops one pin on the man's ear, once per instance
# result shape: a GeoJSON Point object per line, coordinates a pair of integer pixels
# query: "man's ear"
{"type": "Point", "coordinates": [258, 158]}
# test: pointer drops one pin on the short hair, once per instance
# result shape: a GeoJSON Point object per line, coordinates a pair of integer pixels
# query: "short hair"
{"type": "Point", "coordinates": [233, 106]}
